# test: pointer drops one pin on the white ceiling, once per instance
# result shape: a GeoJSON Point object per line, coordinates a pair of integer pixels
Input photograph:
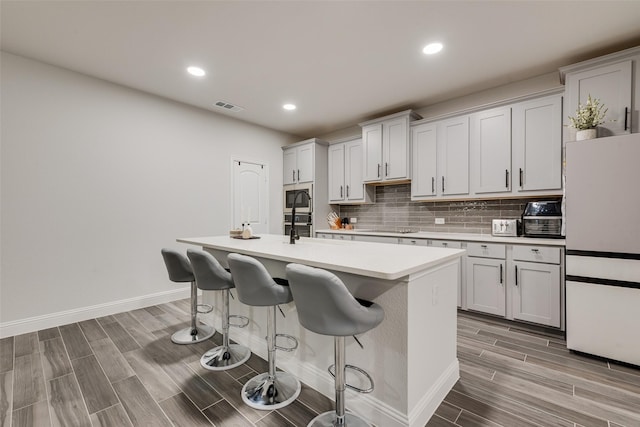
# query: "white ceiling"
{"type": "Point", "coordinates": [340, 61]}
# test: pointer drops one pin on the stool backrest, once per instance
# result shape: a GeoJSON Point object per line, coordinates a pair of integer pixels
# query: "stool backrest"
{"type": "Point", "coordinates": [209, 274]}
{"type": "Point", "coordinates": [254, 284]}
{"type": "Point", "coordinates": [325, 305]}
{"type": "Point", "coordinates": [177, 265]}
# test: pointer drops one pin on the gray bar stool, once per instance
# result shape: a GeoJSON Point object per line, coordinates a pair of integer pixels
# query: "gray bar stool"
{"type": "Point", "coordinates": [256, 287]}
{"type": "Point", "coordinates": [180, 271]}
{"type": "Point", "coordinates": [211, 276]}
{"type": "Point", "coordinates": [325, 306]}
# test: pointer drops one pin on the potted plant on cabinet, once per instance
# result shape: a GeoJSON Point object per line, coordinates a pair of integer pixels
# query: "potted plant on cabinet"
{"type": "Point", "coordinates": [587, 118]}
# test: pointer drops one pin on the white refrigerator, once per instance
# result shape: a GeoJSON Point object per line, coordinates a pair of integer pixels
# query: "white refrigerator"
{"type": "Point", "coordinates": [603, 247]}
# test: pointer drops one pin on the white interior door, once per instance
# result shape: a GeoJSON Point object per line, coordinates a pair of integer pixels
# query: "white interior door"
{"type": "Point", "coordinates": [250, 195]}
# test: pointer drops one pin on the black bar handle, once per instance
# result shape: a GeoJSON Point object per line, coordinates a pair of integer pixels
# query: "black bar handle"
{"type": "Point", "coordinates": [378, 170]}
{"type": "Point", "coordinates": [341, 191]}
{"type": "Point", "coordinates": [625, 117]}
{"type": "Point", "coordinates": [500, 273]}
{"type": "Point", "coordinates": [506, 178]}
{"type": "Point", "coordinates": [433, 185]}
{"type": "Point", "coordinates": [293, 176]}
{"type": "Point", "coordinates": [386, 169]}
{"type": "Point", "coordinates": [520, 177]}
{"type": "Point", "coordinates": [443, 184]}
{"type": "Point", "coordinates": [298, 175]}
{"type": "Point", "coordinates": [347, 191]}
{"type": "Point", "coordinates": [516, 275]}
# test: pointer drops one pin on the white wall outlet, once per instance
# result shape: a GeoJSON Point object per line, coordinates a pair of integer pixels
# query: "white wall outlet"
{"type": "Point", "coordinates": [353, 220]}
{"type": "Point", "coordinates": [439, 221]}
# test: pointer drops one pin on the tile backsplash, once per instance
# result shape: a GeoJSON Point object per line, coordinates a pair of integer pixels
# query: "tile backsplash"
{"type": "Point", "coordinates": [394, 210]}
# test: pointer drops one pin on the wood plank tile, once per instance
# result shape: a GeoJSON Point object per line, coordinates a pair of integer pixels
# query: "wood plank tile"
{"type": "Point", "coordinates": [74, 340]}
{"type": "Point", "coordinates": [147, 320]}
{"type": "Point", "coordinates": [67, 407]}
{"type": "Point", "coordinates": [48, 334]}
{"type": "Point", "coordinates": [110, 417]}
{"type": "Point", "coordinates": [469, 419]}
{"type": "Point", "coordinates": [222, 414]}
{"type": "Point", "coordinates": [192, 385]}
{"type": "Point", "coordinates": [92, 330]}
{"type": "Point", "coordinates": [6, 354]}
{"type": "Point", "coordinates": [120, 337]}
{"type": "Point", "coordinates": [614, 399]}
{"type": "Point", "coordinates": [274, 420]}
{"type": "Point", "coordinates": [155, 380]}
{"type": "Point", "coordinates": [127, 320]}
{"type": "Point", "coordinates": [484, 410]}
{"type": "Point", "coordinates": [154, 310]}
{"type": "Point", "coordinates": [142, 410]}
{"type": "Point", "coordinates": [182, 412]}
{"type": "Point", "coordinates": [55, 359]}
{"type": "Point", "coordinates": [318, 402]}
{"type": "Point", "coordinates": [95, 386]}
{"type": "Point", "coordinates": [297, 413]}
{"type": "Point", "coordinates": [105, 320]}
{"type": "Point", "coordinates": [6, 398]}
{"type": "Point", "coordinates": [28, 381]}
{"type": "Point", "coordinates": [437, 421]}
{"type": "Point", "coordinates": [142, 336]}
{"type": "Point", "coordinates": [229, 388]}
{"type": "Point", "coordinates": [113, 363]}
{"type": "Point", "coordinates": [36, 415]}
{"type": "Point", "coordinates": [448, 411]}
{"type": "Point", "coordinates": [26, 344]}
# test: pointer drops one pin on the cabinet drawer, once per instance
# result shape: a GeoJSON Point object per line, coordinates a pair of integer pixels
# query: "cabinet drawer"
{"type": "Point", "coordinates": [414, 242]}
{"type": "Point", "coordinates": [342, 237]}
{"type": "Point", "coordinates": [486, 250]}
{"type": "Point", "coordinates": [544, 254]}
{"type": "Point", "coordinates": [444, 244]}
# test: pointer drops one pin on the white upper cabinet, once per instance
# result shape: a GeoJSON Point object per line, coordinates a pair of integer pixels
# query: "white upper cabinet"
{"type": "Point", "coordinates": [491, 151]}
{"type": "Point", "coordinates": [424, 171]}
{"type": "Point", "coordinates": [336, 173]}
{"type": "Point", "coordinates": [614, 79]}
{"type": "Point", "coordinates": [453, 156]}
{"type": "Point", "coordinates": [386, 149]}
{"type": "Point", "coordinates": [611, 84]}
{"type": "Point", "coordinates": [345, 173]}
{"type": "Point", "coordinates": [537, 145]}
{"type": "Point", "coordinates": [298, 164]}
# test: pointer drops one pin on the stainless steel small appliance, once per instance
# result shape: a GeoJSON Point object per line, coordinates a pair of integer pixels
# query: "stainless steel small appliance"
{"type": "Point", "coordinates": [304, 201]}
{"type": "Point", "coordinates": [505, 227]}
{"type": "Point", "coordinates": [542, 219]}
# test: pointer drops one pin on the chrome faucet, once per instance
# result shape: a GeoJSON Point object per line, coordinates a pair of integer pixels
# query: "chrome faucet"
{"type": "Point", "coordinates": [293, 236]}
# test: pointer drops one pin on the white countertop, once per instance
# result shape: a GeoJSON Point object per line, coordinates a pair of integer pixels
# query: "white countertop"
{"type": "Point", "coordinates": [362, 258]}
{"type": "Point", "coordinates": [463, 237]}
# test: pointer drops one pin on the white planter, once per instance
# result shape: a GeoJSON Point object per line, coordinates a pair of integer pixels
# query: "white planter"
{"type": "Point", "coordinates": [581, 135]}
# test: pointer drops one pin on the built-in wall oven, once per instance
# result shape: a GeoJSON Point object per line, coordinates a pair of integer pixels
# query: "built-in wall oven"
{"type": "Point", "coordinates": [303, 202]}
{"type": "Point", "coordinates": [304, 224]}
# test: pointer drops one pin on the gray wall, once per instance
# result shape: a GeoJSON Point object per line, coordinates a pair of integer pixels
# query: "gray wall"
{"type": "Point", "coordinates": [96, 178]}
{"type": "Point", "coordinates": [394, 210]}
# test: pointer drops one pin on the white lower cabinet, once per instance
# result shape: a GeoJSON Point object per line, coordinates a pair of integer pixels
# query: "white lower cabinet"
{"type": "Point", "coordinates": [486, 284]}
{"type": "Point", "coordinates": [536, 285]}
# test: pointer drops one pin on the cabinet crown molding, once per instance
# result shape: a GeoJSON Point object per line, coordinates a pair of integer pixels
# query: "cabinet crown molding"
{"type": "Point", "coordinates": [600, 60]}
{"type": "Point", "coordinates": [412, 116]}
{"type": "Point", "coordinates": [306, 141]}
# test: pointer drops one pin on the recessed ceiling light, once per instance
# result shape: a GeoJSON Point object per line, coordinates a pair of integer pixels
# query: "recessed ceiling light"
{"type": "Point", "coordinates": [196, 71]}
{"type": "Point", "coordinates": [432, 48]}
{"type": "Point", "coordinates": [289, 107]}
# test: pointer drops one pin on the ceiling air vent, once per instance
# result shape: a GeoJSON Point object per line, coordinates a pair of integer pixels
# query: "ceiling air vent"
{"type": "Point", "coordinates": [227, 106]}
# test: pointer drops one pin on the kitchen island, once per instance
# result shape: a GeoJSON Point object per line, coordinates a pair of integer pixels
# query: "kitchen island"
{"type": "Point", "coordinates": [411, 355]}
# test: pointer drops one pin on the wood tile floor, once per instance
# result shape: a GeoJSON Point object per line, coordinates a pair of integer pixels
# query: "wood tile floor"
{"type": "Point", "coordinates": [123, 370]}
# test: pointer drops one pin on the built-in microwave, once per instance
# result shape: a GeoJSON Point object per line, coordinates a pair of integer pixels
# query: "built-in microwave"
{"type": "Point", "coordinates": [303, 201]}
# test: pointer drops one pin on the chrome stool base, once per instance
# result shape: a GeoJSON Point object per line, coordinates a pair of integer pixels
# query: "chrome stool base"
{"type": "Point", "coordinates": [184, 336]}
{"type": "Point", "coordinates": [329, 419]}
{"type": "Point", "coordinates": [225, 357]}
{"type": "Point", "coordinates": [271, 392]}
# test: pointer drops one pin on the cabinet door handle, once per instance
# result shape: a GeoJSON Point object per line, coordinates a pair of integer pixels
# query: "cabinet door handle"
{"type": "Point", "coordinates": [293, 176]}
{"type": "Point", "coordinates": [341, 192]}
{"type": "Point", "coordinates": [536, 250]}
{"type": "Point", "coordinates": [506, 178]}
{"type": "Point", "coordinates": [443, 184]}
{"type": "Point", "coordinates": [520, 177]}
{"type": "Point", "coordinates": [433, 185]}
{"type": "Point", "coordinates": [483, 246]}
{"type": "Point", "coordinates": [516, 275]}
{"type": "Point", "coordinates": [500, 273]}
{"type": "Point", "coordinates": [445, 244]}
{"type": "Point", "coordinates": [386, 169]}
{"type": "Point", "coordinates": [347, 191]}
{"type": "Point", "coordinates": [625, 117]}
{"type": "Point", "coordinates": [378, 170]}
{"type": "Point", "coordinates": [298, 175]}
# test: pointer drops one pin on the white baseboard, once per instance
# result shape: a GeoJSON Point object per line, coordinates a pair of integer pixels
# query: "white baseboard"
{"type": "Point", "coordinates": [37, 323]}
{"type": "Point", "coordinates": [365, 405]}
